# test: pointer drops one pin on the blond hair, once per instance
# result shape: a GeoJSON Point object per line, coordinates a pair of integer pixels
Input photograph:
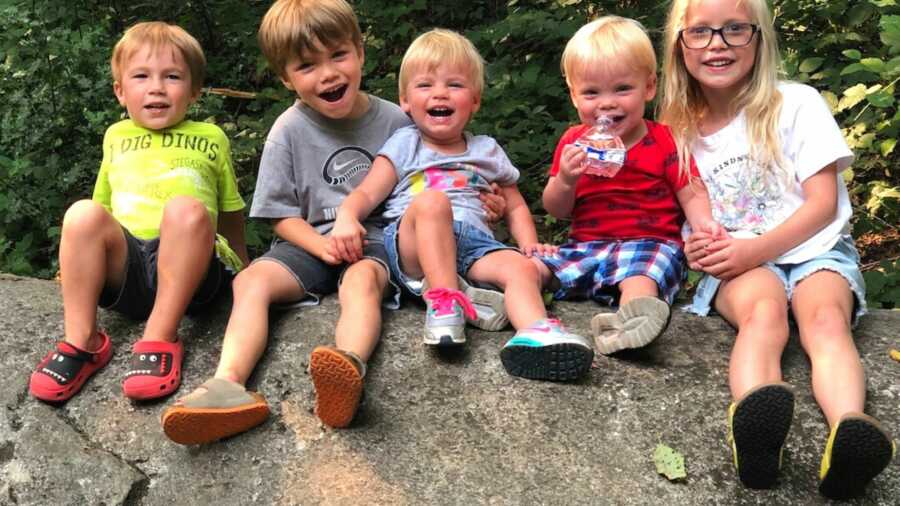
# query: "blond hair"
{"type": "Point", "coordinates": [606, 42]}
{"type": "Point", "coordinates": [293, 27]}
{"type": "Point", "coordinates": [442, 47]}
{"type": "Point", "coordinates": [157, 35]}
{"type": "Point", "coordinates": [683, 104]}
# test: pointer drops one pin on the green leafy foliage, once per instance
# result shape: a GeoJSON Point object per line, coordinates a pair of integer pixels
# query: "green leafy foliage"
{"type": "Point", "coordinates": [56, 90]}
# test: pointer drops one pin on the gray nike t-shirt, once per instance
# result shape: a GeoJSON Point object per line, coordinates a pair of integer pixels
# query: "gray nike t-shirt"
{"type": "Point", "coordinates": [310, 162]}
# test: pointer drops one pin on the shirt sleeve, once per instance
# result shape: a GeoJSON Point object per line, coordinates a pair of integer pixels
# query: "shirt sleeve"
{"type": "Point", "coordinates": [812, 139]}
{"type": "Point", "coordinates": [229, 196]}
{"type": "Point", "coordinates": [567, 138]}
{"type": "Point", "coordinates": [507, 173]}
{"type": "Point", "coordinates": [399, 149]}
{"type": "Point", "coordinates": [102, 190]}
{"type": "Point", "coordinates": [276, 191]}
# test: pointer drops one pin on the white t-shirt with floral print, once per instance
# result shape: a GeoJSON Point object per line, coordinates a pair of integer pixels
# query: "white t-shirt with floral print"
{"type": "Point", "coordinates": [748, 200]}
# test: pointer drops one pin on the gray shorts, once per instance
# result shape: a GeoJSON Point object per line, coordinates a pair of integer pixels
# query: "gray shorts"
{"type": "Point", "coordinates": [842, 259]}
{"type": "Point", "coordinates": [318, 278]}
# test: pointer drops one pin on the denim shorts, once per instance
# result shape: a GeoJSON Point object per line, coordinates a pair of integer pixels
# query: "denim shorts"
{"type": "Point", "coordinates": [136, 296]}
{"type": "Point", "coordinates": [471, 245]}
{"type": "Point", "coordinates": [842, 259]}
{"type": "Point", "coordinates": [318, 278]}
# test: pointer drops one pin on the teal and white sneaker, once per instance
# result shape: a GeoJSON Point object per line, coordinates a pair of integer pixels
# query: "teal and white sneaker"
{"type": "Point", "coordinates": [445, 317]}
{"type": "Point", "coordinates": [546, 351]}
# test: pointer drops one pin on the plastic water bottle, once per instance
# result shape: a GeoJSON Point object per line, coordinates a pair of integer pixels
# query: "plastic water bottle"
{"type": "Point", "coordinates": [605, 151]}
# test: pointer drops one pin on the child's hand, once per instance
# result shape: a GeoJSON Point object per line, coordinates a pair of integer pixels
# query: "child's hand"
{"type": "Point", "coordinates": [347, 239]}
{"type": "Point", "coordinates": [714, 229]}
{"type": "Point", "coordinates": [329, 254]}
{"type": "Point", "coordinates": [695, 248]}
{"type": "Point", "coordinates": [571, 164]}
{"type": "Point", "coordinates": [493, 203]}
{"type": "Point", "coordinates": [539, 249]}
{"type": "Point", "coordinates": [729, 258]}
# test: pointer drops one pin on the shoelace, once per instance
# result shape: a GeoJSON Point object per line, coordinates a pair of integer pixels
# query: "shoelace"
{"type": "Point", "coordinates": [442, 300]}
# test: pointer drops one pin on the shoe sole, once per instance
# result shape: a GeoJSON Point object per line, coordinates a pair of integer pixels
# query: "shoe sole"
{"type": "Point", "coordinates": [445, 341]}
{"type": "Point", "coordinates": [635, 325]}
{"type": "Point", "coordinates": [860, 451]}
{"type": "Point", "coordinates": [489, 306]}
{"type": "Point", "coordinates": [338, 387]}
{"type": "Point", "coordinates": [192, 426]}
{"type": "Point", "coordinates": [760, 426]}
{"type": "Point", "coordinates": [555, 362]}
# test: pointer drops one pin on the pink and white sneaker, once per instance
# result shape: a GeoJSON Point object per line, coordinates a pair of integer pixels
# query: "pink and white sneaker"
{"type": "Point", "coordinates": [445, 317]}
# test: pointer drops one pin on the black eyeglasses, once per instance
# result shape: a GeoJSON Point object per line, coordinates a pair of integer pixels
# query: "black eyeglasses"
{"type": "Point", "coordinates": [733, 34]}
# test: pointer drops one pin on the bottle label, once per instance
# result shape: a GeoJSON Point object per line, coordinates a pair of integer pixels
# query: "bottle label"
{"type": "Point", "coordinates": [610, 155]}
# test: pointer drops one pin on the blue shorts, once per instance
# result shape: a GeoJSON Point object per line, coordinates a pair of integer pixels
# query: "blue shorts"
{"type": "Point", "coordinates": [471, 245]}
{"type": "Point", "coordinates": [594, 269]}
{"type": "Point", "coordinates": [842, 259]}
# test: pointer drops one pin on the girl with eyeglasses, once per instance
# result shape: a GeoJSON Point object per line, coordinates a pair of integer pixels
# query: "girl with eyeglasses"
{"type": "Point", "coordinates": [771, 155]}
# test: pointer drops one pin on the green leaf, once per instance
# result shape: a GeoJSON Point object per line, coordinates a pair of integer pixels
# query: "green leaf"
{"type": "Point", "coordinates": [890, 31]}
{"type": "Point", "coordinates": [853, 54]}
{"type": "Point", "coordinates": [874, 64]}
{"type": "Point", "coordinates": [811, 64]}
{"type": "Point", "coordinates": [854, 67]}
{"type": "Point", "coordinates": [852, 96]}
{"type": "Point", "coordinates": [887, 146]}
{"type": "Point", "coordinates": [881, 99]}
{"type": "Point", "coordinates": [669, 462]}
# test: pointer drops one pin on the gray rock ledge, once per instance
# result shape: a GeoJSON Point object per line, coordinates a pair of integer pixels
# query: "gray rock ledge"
{"type": "Point", "coordinates": [432, 429]}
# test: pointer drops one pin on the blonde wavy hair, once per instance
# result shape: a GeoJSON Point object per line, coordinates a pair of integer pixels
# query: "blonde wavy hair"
{"type": "Point", "coordinates": [442, 47]}
{"type": "Point", "coordinates": [157, 35]}
{"type": "Point", "coordinates": [683, 105]}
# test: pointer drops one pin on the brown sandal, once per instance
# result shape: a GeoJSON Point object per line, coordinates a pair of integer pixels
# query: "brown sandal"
{"type": "Point", "coordinates": [337, 377]}
{"type": "Point", "coordinates": [217, 409]}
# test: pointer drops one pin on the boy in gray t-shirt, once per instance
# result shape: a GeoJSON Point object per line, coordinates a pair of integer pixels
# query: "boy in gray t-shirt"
{"type": "Point", "coordinates": [316, 153]}
{"type": "Point", "coordinates": [430, 174]}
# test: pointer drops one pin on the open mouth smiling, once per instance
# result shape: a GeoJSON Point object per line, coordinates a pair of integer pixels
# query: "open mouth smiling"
{"type": "Point", "coordinates": [335, 94]}
{"type": "Point", "coordinates": [440, 112]}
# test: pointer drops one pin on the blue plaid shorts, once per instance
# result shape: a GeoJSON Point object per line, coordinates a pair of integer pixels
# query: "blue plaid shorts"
{"type": "Point", "coordinates": [594, 269]}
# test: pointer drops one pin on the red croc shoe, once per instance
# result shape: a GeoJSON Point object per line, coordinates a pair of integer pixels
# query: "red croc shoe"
{"type": "Point", "coordinates": [155, 369]}
{"type": "Point", "coordinates": [62, 373]}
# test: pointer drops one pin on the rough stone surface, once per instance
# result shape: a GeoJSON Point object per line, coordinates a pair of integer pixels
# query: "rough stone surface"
{"type": "Point", "coordinates": [432, 429]}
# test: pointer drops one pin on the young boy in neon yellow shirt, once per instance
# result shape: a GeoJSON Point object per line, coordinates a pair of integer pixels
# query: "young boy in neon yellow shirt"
{"type": "Point", "coordinates": [146, 245]}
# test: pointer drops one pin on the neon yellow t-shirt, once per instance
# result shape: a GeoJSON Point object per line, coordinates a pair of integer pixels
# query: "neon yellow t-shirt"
{"type": "Point", "coordinates": [143, 169]}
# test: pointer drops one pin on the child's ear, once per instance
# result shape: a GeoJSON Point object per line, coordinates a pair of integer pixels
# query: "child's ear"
{"type": "Point", "coordinates": [477, 100]}
{"type": "Point", "coordinates": [120, 93]}
{"type": "Point", "coordinates": [404, 104]}
{"type": "Point", "coordinates": [361, 51]}
{"type": "Point", "coordinates": [286, 83]}
{"type": "Point", "coordinates": [651, 88]}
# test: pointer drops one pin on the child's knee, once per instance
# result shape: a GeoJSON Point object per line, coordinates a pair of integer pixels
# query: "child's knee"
{"type": "Point", "coordinates": [86, 216]}
{"type": "Point", "coordinates": [768, 314]}
{"type": "Point", "coordinates": [186, 213]}
{"type": "Point", "coordinates": [364, 279]}
{"type": "Point", "coordinates": [432, 202]}
{"type": "Point", "coordinates": [827, 320]}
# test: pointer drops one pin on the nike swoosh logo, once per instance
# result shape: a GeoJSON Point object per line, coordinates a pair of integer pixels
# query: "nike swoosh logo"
{"type": "Point", "coordinates": [341, 166]}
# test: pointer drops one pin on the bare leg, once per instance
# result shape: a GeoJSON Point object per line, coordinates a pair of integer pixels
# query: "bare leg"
{"type": "Point", "coordinates": [637, 286]}
{"type": "Point", "coordinates": [520, 280]}
{"type": "Point", "coordinates": [255, 289]}
{"type": "Point", "coordinates": [755, 303]}
{"type": "Point", "coordinates": [186, 242]}
{"type": "Point", "coordinates": [426, 242]}
{"type": "Point", "coordinates": [92, 253]}
{"type": "Point", "coordinates": [822, 306]}
{"type": "Point", "coordinates": [359, 326]}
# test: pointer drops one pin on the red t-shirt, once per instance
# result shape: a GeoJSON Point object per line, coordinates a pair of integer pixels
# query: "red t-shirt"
{"type": "Point", "coordinates": [639, 201]}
